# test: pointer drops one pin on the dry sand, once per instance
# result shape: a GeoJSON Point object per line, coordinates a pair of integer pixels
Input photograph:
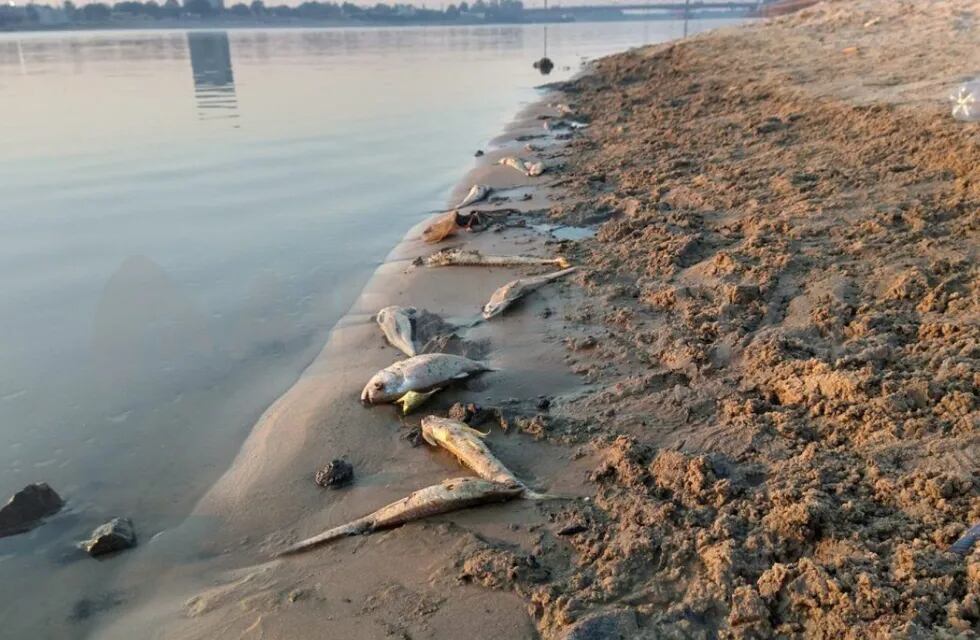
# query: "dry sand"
{"type": "Point", "coordinates": [765, 375]}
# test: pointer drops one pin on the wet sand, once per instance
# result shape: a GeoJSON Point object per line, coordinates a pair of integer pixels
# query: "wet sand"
{"type": "Point", "coordinates": [765, 375]}
{"type": "Point", "coordinates": [407, 580]}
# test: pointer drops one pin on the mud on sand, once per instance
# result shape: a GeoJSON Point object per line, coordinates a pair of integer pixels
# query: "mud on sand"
{"type": "Point", "coordinates": [781, 331]}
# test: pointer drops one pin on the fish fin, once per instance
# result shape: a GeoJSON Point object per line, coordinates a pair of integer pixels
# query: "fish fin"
{"type": "Point", "coordinates": [461, 376]}
{"type": "Point", "coordinates": [431, 441]}
{"type": "Point", "coordinates": [477, 432]}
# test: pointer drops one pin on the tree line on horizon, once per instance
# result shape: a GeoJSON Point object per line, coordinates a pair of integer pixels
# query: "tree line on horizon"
{"type": "Point", "coordinates": [99, 12]}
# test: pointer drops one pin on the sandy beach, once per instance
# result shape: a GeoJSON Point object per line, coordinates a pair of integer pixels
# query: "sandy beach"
{"type": "Point", "coordinates": [760, 388]}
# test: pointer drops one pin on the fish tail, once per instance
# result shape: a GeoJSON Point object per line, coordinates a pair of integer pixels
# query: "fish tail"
{"type": "Point", "coordinates": [350, 529]}
{"type": "Point", "coordinates": [563, 262]}
{"type": "Point", "coordinates": [966, 541]}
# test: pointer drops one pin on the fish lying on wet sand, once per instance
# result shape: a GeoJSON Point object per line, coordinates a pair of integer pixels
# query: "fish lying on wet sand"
{"type": "Point", "coordinates": [466, 443]}
{"type": "Point", "coordinates": [529, 169]}
{"type": "Point", "coordinates": [449, 495]}
{"type": "Point", "coordinates": [473, 258]}
{"type": "Point", "coordinates": [396, 324]}
{"type": "Point", "coordinates": [419, 373]}
{"type": "Point", "coordinates": [517, 289]}
{"type": "Point", "coordinates": [476, 193]}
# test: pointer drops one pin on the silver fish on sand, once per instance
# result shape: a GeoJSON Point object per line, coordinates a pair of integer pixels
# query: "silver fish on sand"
{"type": "Point", "coordinates": [517, 289]}
{"type": "Point", "coordinates": [419, 373]}
{"type": "Point", "coordinates": [473, 258]}
{"type": "Point", "coordinates": [476, 193]}
{"type": "Point", "coordinates": [449, 495]}
{"type": "Point", "coordinates": [466, 443]}
{"type": "Point", "coordinates": [529, 169]}
{"type": "Point", "coordinates": [396, 324]}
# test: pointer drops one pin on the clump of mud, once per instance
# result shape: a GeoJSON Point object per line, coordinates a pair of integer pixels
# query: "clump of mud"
{"type": "Point", "coordinates": [784, 293]}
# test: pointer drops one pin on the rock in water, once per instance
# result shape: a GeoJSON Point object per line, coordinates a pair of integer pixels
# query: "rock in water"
{"type": "Point", "coordinates": [27, 508]}
{"type": "Point", "coordinates": [116, 535]}
{"type": "Point", "coordinates": [335, 475]}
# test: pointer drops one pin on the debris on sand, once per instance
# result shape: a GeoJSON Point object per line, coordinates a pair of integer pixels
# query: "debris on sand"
{"type": "Point", "coordinates": [335, 475]}
{"type": "Point", "coordinates": [529, 169]}
{"type": "Point", "coordinates": [449, 223]}
{"type": "Point", "coordinates": [116, 535]}
{"type": "Point", "coordinates": [27, 508]}
{"type": "Point", "coordinates": [415, 399]}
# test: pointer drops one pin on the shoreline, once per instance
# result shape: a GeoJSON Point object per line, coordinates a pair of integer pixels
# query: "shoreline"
{"type": "Point", "coordinates": [764, 374]}
{"type": "Point", "coordinates": [320, 417]}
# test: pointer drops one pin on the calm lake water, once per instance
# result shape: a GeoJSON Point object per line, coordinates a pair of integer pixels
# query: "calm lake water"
{"type": "Point", "coordinates": [184, 216]}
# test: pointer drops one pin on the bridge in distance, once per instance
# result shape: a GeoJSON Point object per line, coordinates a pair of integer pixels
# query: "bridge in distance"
{"type": "Point", "coordinates": [672, 9]}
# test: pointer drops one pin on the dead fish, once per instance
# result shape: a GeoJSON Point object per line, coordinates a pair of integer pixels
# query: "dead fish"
{"type": "Point", "coordinates": [449, 495]}
{"type": "Point", "coordinates": [396, 324]}
{"type": "Point", "coordinates": [415, 399]}
{"type": "Point", "coordinates": [556, 125]}
{"type": "Point", "coordinates": [477, 192]}
{"type": "Point", "coordinates": [448, 224]}
{"type": "Point", "coordinates": [419, 373]}
{"type": "Point", "coordinates": [530, 169]}
{"type": "Point", "coordinates": [473, 258]}
{"type": "Point", "coordinates": [517, 289]}
{"type": "Point", "coordinates": [466, 443]}
{"type": "Point", "coordinates": [961, 546]}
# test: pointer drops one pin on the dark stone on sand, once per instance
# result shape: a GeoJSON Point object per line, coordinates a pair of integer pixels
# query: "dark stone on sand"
{"type": "Point", "coordinates": [479, 153]}
{"type": "Point", "coordinates": [335, 475]}
{"type": "Point", "coordinates": [572, 529]}
{"type": "Point", "coordinates": [543, 404]}
{"type": "Point", "coordinates": [27, 508]}
{"type": "Point", "coordinates": [615, 624]}
{"type": "Point", "coordinates": [116, 535]}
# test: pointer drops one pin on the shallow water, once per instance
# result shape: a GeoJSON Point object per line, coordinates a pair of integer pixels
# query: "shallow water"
{"type": "Point", "coordinates": [184, 217]}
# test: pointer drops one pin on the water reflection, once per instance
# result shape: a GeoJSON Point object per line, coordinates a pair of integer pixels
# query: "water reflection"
{"type": "Point", "coordinates": [214, 82]}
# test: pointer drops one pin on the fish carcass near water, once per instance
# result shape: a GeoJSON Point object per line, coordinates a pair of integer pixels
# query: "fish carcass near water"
{"type": "Point", "coordinates": [477, 193]}
{"type": "Point", "coordinates": [448, 224]}
{"type": "Point", "coordinates": [530, 169]}
{"type": "Point", "coordinates": [517, 289]}
{"type": "Point", "coordinates": [466, 443]}
{"type": "Point", "coordinates": [449, 495]}
{"type": "Point", "coordinates": [419, 373]}
{"type": "Point", "coordinates": [397, 325]}
{"type": "Point", "coordinates": [473, 258]}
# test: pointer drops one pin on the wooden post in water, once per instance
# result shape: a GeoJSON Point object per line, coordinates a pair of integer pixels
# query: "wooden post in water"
{"type": "Point", "coordinates": [687, 14]}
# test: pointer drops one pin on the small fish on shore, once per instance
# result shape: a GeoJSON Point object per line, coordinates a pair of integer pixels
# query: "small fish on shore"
{"type": "Point", "coordinates": [473, 258]}
{"type": "Point", "coordinates": [476, 193]}
{"type": "Point", "coordinates": [466, 443]}
{"type": "Point", "coordinates": [529, 169]}
{"type": "Point", "coordinates": [397, 324]}
{"type": "Point", "coordinates": [449, 495]}
{"type": "Point", "coordinates": [419, 373]}
{"type": "Point", "coordinates": [513, 291]}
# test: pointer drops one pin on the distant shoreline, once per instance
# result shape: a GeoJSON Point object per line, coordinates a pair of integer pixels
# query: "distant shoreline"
{"type": "Point", "coordinates": [224, 24]}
